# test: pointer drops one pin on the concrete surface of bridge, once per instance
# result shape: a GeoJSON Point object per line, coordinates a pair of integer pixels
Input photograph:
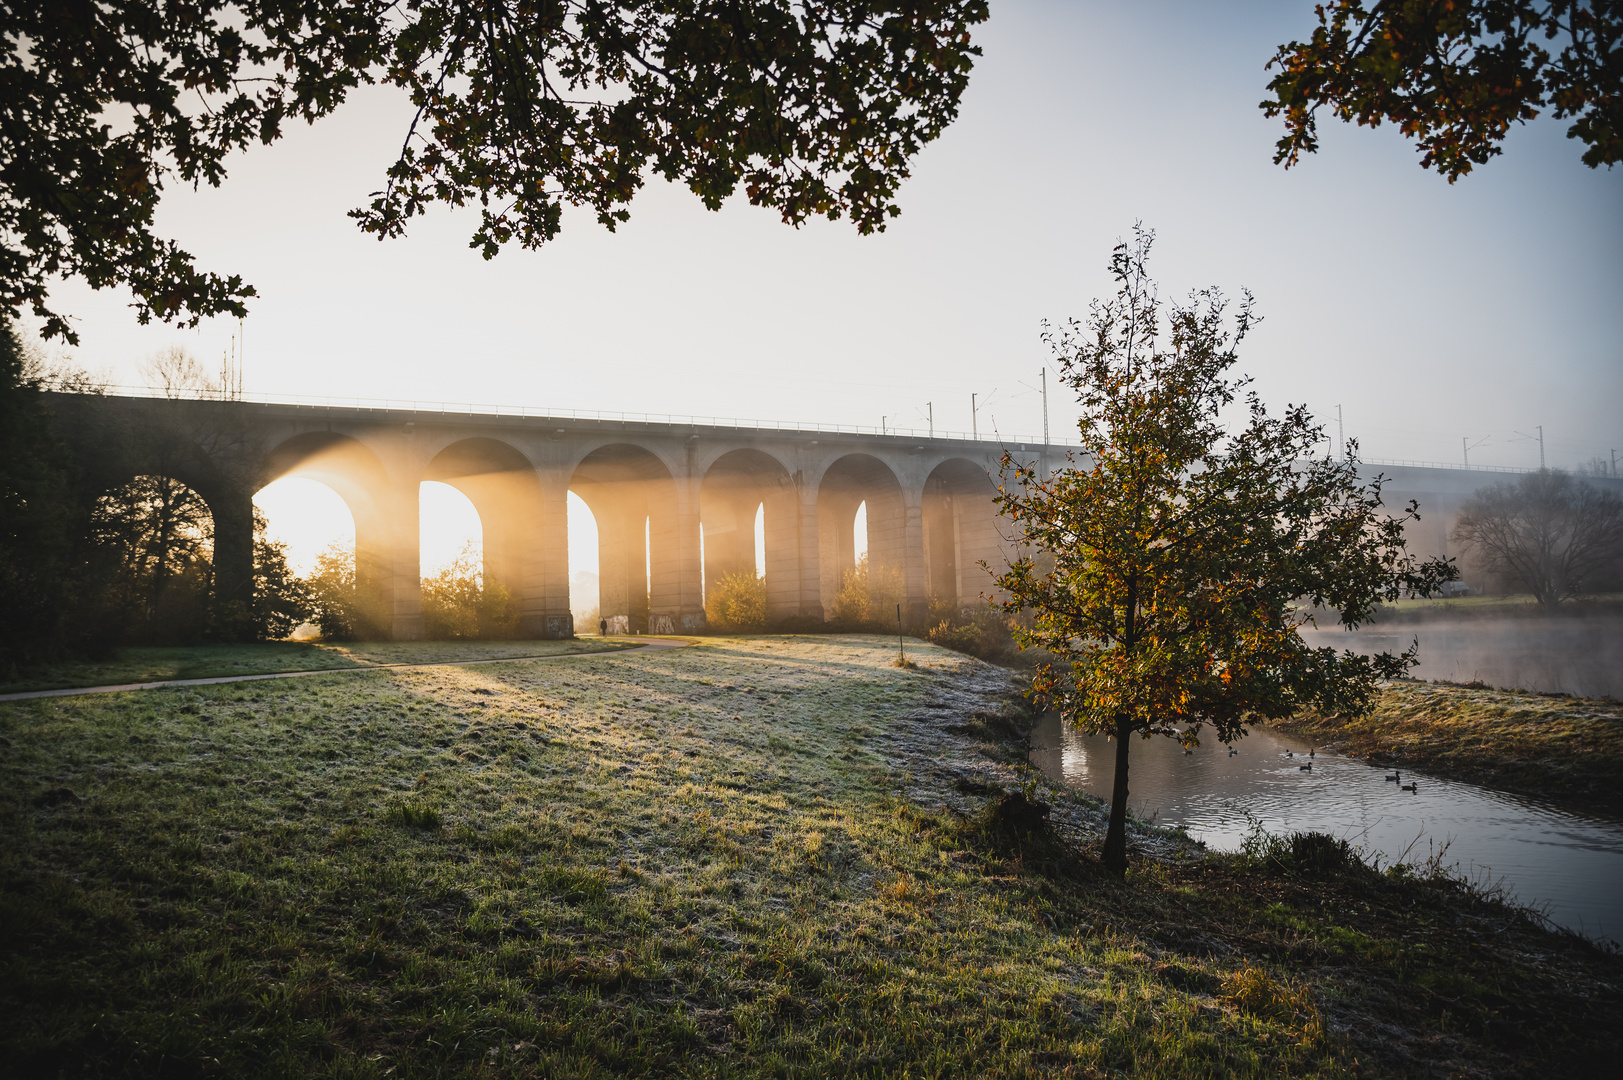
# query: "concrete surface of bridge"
{"type": "Point", "coordinates": [675, 503]}
{"type": "Point", "coordinates": [651, 486]}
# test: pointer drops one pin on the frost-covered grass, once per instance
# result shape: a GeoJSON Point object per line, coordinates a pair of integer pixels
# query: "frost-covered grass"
{"type": "Point", "coordinates": [161, 663]}
{"type": "Point", "coordinates": [723, 860]}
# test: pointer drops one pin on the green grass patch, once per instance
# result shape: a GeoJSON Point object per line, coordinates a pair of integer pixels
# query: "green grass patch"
{"type": "Point", "coordinates": [726, 860]}
{"type": "Point", "coordinates": [413, 815]}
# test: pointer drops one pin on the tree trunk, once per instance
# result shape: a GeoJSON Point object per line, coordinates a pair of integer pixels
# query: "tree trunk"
{"type": "Point", "coordinates": [1115, 853]}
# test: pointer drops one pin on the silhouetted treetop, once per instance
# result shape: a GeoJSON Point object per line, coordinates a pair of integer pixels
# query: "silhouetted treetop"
{"type": "Point", "coordinates": [1455, 76]}
{"type": "Point", "coordinates": [812, 107]}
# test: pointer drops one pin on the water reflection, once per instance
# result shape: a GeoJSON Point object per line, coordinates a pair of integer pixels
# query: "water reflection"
{"type": "Point", "coordinates": [1571, 863]}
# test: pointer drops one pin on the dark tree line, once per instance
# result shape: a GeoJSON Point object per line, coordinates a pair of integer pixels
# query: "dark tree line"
{"type": "Point", "coordinates": [86, 565]}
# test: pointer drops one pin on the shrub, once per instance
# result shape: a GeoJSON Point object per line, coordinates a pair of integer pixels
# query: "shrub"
{"type": "Point", "coordinates": [736, 602]}
{"type": "Point", "coordinates": [1254, 992]}
{"type": "Point", "coordinates": [412, 815]}
{"type": "Point", "coordinates": [459, 605]}
{"type": "Point", "coordinates": [867, 598]}
{"type": "Point", "coordinates": [343, 609]}
{"type": "Point", "coordinates": [1308, 854]}
{"type": "Point", "coordinates": [978, 629]}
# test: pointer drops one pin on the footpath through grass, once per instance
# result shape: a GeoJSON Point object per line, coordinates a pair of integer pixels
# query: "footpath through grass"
{"type": "Point", "coordinates": [1552, 746]}
{"type": "Point", "coordinates": [761, 857]}
{"type": "Point", "coordinates": [162, 663]}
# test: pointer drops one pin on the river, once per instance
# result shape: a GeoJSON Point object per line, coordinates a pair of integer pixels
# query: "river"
{"type": "Point", "coordinates": [1567, 865]}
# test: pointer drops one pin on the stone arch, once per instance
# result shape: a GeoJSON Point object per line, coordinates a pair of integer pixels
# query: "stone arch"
{"type": "Point", "coordinates": [506, 493]}
{"type": "Point", "coordinates": [160, 445]}
{"type": "Point", "coordinates": [960, 531]}
{"type": "Point", "coordinates": [846, 484]}
{"type": "Point", "coordinates": [162, 531]}
{"type": "Point", "coordinates": [633, 497]}
{"type": "Point", "coordinates": [735, 486]}
{"type": "Point", "coordinates": [386, 566]}
{"type": "Point", "coordinates": [343, 463]}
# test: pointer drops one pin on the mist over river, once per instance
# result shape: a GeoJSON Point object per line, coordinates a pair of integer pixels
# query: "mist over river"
{"type": "Point", "coordinates": [1570, 653]}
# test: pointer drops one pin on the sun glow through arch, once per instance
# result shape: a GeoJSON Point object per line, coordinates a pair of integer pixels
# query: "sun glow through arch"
{"type": "Point", "coordinates": [307, 517]}
{"type": "Point", "coordinates": [447, 524]}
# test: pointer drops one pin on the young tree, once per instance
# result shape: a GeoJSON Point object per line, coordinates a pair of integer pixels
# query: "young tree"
{"type": "Point", "coordinates": [1546, 531]}
{"type": "Point", "coordinates": [814, 107]}
{"type": "Point", "coordinates": [1175, 562]}
{"type": "Point", "coordinates": [281, 601]}
{"type": "Point", "coordinates": [1455, 76]}
{"type": "Point", "coordinates": [867, 598]}
{"type": "Point", "coordinates": [459, 604]}
{"type": "Point", "coordinates": [736, 603]}
{"type": "Point", "coordinates": [338, 603]}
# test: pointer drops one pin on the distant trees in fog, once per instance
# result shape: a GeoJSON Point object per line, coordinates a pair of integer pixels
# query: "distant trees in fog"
{"type": "Point", "coordinates": [1547, 532]}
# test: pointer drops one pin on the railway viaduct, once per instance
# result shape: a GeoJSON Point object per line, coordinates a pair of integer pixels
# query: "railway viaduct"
{"type": "Point", "coordinates": [675, 503]}
{"type": "Point", "coordinates": [652, 487]}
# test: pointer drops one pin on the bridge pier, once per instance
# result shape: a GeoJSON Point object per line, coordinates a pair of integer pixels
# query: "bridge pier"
{"type": "Point", "coordinates": [808, 550]}
{"type": "Point", "coordinates": [388, 566]}
{"type": "Point", "coordinates": [233, 513]}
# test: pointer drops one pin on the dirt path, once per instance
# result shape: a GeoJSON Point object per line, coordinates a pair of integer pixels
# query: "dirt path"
{"type": "Point", "coordinates": [216, 680]}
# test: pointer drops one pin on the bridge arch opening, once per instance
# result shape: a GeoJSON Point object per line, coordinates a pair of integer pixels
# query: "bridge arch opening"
{"type": "Point", "coordinates": [960, 531]}
{"type": "Point", "coordinates": [314, 526]}
{"type": "Point", "coordinates": [385, 577]}
{"type": "Point", "coordinates": [307, 518]}
{"type": "Point", "coordinates": [747, 517]}
{"type": "Point", "coordinates": [501, 486]}
{"type": "Point", "coordinates": [860, 482]}
{"type": "Point", "coordinates": [450, 530]}
{"type": "Point", "coordinates": [632, 499]}
{"type": "Point", "coordinates": [159, 533]}
{"type": "Point", "coordinates": [584, 602]}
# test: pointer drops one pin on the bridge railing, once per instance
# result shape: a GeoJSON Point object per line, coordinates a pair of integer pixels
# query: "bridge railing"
{"type": "Point", "coordinates": [1444, 465]}
{"type": "Point", "coordinates": [446, 408]}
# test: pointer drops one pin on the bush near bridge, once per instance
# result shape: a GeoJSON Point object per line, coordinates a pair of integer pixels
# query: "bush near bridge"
{"type": "Point", "coordinates": [736, 602]}
{"type": "Point", "coordinates": [769, 856]}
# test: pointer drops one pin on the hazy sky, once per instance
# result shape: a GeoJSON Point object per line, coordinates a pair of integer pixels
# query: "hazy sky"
{"type": "Point", "coordinates": [1428, 312]}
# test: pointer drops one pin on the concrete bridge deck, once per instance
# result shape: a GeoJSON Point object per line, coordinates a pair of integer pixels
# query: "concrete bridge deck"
{"type": "Point", "coordinates": [651, 485]}
{"type": "Point", "coordinates": [655, 487]}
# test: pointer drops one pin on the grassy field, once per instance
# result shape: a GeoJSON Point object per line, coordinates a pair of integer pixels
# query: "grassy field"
{"type": "Point", "coordinates": [757, 857]}
{"type": "Point", "coordinates": [1556, 747]}
{"type": "Point", "coordinates": [140, 664]}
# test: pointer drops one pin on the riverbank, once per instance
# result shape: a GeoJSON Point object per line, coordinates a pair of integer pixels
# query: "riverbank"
{"type": "Point", "coordinates": [1562, 749]}
{"type": "Point", "coordinates": [762, 856]}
